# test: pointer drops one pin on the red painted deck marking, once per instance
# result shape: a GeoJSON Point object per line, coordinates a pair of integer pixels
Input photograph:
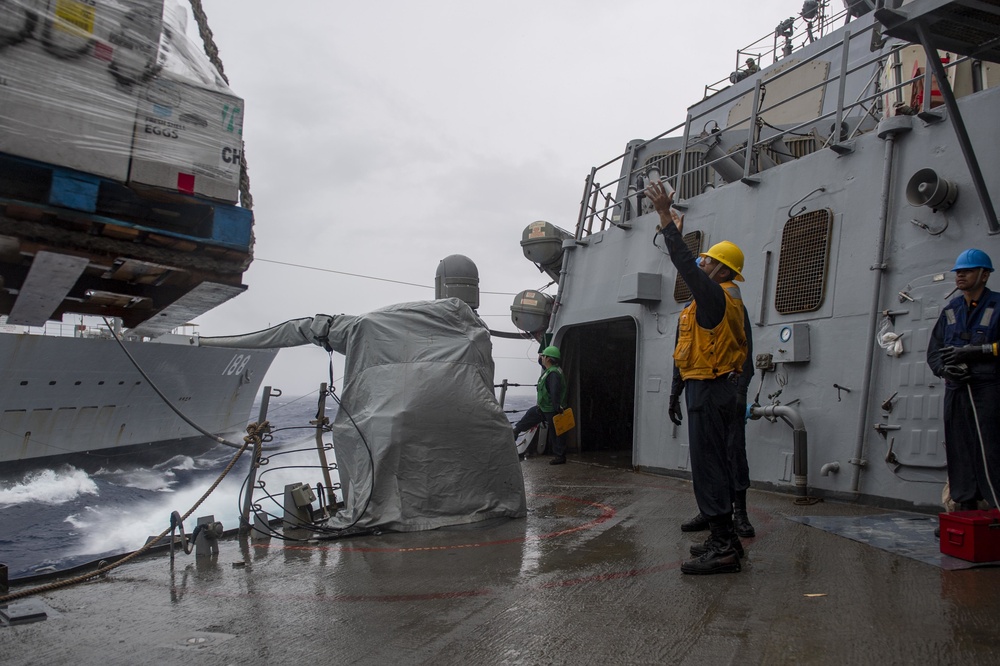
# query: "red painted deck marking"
{"type": "Point", "coordinates": [608, 512]}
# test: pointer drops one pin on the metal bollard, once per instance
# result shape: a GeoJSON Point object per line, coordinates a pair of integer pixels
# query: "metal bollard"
{"type": "Point", "coordinates": [4, 582]}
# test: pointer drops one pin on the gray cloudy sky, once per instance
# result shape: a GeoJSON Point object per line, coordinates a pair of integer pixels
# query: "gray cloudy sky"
{"type": "Point", "coordinates": [384, 136]}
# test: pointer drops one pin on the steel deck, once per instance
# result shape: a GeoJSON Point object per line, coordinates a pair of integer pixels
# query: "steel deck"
{"type": "Point", "coordinates": [591, 576]}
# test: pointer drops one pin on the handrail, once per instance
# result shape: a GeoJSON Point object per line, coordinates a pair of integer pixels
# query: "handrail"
{"type": "Point", "coordinates": [804, 36]}
{"type": "Point", "coordinates": [843, 110]}
{"type": "Point", "coordinates": [57, 329]}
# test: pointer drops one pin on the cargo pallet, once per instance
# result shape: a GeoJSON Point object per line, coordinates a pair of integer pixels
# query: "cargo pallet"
{"type": "Point", "coordinates": [72, 242]}
{"type": "Point", "coordinates": [136, 212]}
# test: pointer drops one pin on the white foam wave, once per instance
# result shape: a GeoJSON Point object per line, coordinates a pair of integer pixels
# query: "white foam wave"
{"type": "Point", "coordinates": [178, 462]}
{"type": "Point", "coordinates": [125, 528]}
{"type": "Point", "coordinates": [48, 487]}
{"type": "Point", "coordinates": [156, 480]}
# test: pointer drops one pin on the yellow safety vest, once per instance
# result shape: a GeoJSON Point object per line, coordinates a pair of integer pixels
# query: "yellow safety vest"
{"type": "Point", "coordinates": [702, 353]}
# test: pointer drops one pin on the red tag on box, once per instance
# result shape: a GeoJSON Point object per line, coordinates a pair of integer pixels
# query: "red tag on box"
{"type": "Point", "coordinates": [973, 536]}
{"type": "Point", "coordinates": [185, 183]}
{"type": "Point", "coordinates": [104, 51]}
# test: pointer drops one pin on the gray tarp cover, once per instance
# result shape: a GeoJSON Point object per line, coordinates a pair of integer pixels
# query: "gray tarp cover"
{"type": "Point", "coordinates": [419, 385]}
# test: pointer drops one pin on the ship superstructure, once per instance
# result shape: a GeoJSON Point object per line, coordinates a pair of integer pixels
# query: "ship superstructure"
{"type": "Point", "coordinates": [851, 178]}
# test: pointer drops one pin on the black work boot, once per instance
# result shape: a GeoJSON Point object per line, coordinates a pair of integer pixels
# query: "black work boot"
{"type": "Point", "coordinates": [702, 548]}
{"type": "Point", "coordinates": [697, 524]}
{"type": "Point", "coordinates": [721, 555]}
{"type": "Point", "coordinates": [741, 522]}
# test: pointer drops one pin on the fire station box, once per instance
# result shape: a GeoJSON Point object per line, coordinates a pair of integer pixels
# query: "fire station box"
{"type": "Point", "coordinates": [973, 536]}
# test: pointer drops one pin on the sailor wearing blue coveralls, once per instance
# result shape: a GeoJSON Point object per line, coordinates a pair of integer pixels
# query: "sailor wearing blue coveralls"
{"type": "Point", "coordinates": [964, 350]}
{"type": "Point", "coordinates": [710, 351]}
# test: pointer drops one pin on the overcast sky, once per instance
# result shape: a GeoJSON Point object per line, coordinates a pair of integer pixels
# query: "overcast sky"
{"type": "Point", "coordinates": [384, 136]}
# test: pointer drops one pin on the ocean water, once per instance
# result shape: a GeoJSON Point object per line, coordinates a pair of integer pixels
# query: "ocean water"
{"type": "Point", "coordinates": [58, 518]}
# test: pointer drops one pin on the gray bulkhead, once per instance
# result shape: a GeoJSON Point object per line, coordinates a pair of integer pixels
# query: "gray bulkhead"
{"type": "Point", "coordinates": [618, 307]}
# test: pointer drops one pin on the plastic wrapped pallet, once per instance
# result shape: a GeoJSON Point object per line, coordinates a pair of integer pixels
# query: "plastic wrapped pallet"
{"type": "Point", "coordinates": [189, 124]}
{"type": "Point", "coordinates": [114, 88]}
{"type": "Point", "coordinates": [421, 441]}
{"type": "Point", "coordinates": [68, 89]}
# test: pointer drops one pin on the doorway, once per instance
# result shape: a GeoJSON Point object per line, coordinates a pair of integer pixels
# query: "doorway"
{"type": "Point", "coordinates": [601, 375]}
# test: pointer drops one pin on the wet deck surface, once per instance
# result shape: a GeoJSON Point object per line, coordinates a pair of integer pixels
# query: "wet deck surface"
{"type": "Point", "coordinates": [590, 577]}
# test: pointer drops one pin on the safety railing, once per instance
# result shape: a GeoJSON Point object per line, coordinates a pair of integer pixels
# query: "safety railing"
{"type": "Point", "coordinates": [95, 329]}
{"type": "Point", "coordinates": [790, 35]}
{"type": "Point", "coordinates": [599, 203]}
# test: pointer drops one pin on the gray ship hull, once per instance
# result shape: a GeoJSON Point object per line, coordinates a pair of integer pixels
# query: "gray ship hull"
{"type": "Point", "coordinates": [82, 399]}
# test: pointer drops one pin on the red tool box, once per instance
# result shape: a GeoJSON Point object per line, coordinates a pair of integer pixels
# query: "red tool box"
{"type": "Point", "coordinates": [973, 536]}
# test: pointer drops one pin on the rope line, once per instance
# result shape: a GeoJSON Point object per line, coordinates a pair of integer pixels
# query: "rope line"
{"type": "Point", "coordinates": [212, 51]}
{"type": "Point", "coordinates": [215, 438]}
{"type": "Point", "coordinates": [372, 277]}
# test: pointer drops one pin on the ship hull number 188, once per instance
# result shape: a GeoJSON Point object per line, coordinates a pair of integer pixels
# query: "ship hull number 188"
{"type": "Point", "coordinates": [237, 365]}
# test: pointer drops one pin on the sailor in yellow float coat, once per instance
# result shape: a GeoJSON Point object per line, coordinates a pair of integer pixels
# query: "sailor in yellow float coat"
{"type": "Point", "coordinates": [710, 351]}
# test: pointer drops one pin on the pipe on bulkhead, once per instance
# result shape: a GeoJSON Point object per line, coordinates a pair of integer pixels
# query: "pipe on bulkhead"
{"type": "Point", "coordinates": [729, 166]}
{"type": "Point", "coordinates": [887, 130]}
{"type": "Point", "coordinates": [800, 453]}
{"type": "Point", "coordinates": [829, 467]}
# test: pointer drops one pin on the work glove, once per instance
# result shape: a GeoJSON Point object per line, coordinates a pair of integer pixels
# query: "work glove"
{"type": "Point", "coordinates": [955, 355]}
{"type": "Point", "coordinates": [956, 373]}
{"type": "Point", "coordinates": [674, 412]}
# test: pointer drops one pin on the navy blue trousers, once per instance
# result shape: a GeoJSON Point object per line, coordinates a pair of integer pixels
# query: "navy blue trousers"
{"type": "Point", "coordinates": [738, 466]}
{"type": "Point", "coordinates": [966, 472]}
{"type": "Point", "coordinates": [711, 412]}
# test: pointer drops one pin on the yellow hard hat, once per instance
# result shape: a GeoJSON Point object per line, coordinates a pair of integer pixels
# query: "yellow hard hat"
{"type": "Point", "coordinates": [727, 254]}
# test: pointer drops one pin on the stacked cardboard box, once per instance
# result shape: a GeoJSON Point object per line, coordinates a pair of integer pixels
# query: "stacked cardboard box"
{"type": "Point", "coordinates": [101, 87]}
{"type": "Point", "coordinates": [62, 99]}
{"type": "Point", "coordinates": [188, 138]}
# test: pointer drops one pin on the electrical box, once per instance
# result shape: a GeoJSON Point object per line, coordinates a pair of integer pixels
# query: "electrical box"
{"type": "Point", "coordinates": [298, 506]}
{"type": "Point", "coordinates": [303, 495]}
{"type": "Point", "coordinates": [640, 288]}
{"type": "Point", "coordinates": [792, 345]}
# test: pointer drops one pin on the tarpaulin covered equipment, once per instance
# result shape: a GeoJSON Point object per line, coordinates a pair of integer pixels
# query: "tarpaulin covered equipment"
{"type": "Point", "coordinates": [418, 401]}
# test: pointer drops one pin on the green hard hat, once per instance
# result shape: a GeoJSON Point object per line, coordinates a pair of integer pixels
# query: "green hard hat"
{"type": "Point", "coordinates": [551, 352]}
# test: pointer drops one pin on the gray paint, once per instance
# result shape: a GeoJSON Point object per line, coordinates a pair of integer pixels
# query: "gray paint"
{"type": "Point", "coordinates": [840, 423]}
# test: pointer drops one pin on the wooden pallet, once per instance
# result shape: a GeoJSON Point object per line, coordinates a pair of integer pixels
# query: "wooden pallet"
{"type": "Point", "coordinates": [118, 211]}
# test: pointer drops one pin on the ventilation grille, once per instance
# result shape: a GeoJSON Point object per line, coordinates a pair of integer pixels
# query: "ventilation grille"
{"type": "Point", "coordinates": [798, 146]}
{"type": "Point", "coordinates": [682, 294]}
{"type": "Point", "coordinates": [695, 182]}
{"type": "Point", "coordinates": [805, 251]}
{"type": "Point", "coordinates": [972, 26]}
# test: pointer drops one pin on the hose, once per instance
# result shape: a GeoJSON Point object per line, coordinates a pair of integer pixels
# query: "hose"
{"type": "Point", "coordinates": [982, 447]}
{"type": "Point", "coordinates": [168, 403]}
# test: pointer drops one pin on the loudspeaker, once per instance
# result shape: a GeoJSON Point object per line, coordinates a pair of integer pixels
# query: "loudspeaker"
{"type": "Point", "coordinates": [926, 188]}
